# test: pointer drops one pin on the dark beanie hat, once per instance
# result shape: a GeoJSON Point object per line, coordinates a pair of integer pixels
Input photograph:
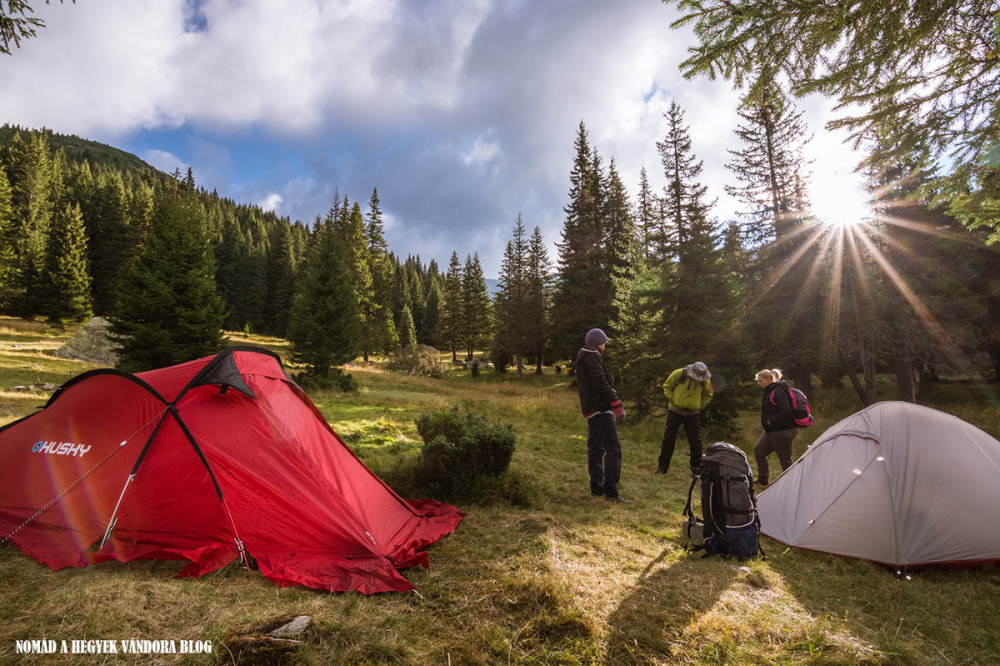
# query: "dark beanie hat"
{"type": "Point", "coordinates": [595, 338]}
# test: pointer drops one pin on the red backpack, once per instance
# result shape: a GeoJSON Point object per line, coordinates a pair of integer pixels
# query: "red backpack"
{"type": "Point", "coordinates": [801, 414]}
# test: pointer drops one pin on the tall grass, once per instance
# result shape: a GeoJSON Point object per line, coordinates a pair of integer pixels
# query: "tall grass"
{"type": "Point", "coordinates": [570, 579]}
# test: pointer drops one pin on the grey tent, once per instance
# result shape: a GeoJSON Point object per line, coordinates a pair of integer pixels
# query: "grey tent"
{"type": "Point", "coordinates": [896, 483]}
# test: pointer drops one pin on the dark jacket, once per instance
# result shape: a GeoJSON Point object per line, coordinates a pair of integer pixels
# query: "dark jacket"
{"type": "Point", "coordinates": [596, 394]}
{"type": "Point", "coordinates": [777, 414]}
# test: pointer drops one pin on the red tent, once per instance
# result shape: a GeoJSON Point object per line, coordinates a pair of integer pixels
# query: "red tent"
{"type": "Point", "coordinates": [207, 461]}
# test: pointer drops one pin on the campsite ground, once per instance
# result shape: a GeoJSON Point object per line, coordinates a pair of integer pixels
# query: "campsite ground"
{"type": "Point", "coordinates": [564, 579]}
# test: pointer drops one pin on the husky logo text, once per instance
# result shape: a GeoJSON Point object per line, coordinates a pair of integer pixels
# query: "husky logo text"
{"type": "Point", "coordinates": [61, 448]}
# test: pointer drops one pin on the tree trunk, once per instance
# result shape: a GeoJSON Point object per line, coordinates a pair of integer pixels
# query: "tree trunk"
{"type": "Point", "coordinates": [905, 386]}
{"type": "Point", "coordinates": [855, 381]}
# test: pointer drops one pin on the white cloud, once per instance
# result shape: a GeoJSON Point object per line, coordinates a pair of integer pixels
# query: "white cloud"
{"type": "Point", "coordinates": [483, 150]}
{"type": "Point", "coordinates": [271, 202]}
{"type": "Point", "coordinates": [164, 161]}
{"type": "Point", "coordinates": [462, 112]}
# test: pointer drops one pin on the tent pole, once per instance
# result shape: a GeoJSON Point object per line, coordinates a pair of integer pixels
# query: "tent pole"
{"type": "Point", "coordinates": [114, 514]}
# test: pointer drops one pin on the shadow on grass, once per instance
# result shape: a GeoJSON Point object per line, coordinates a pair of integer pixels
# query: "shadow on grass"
{"type": "Point", "coordinates": [648, 625]}
{"type": "Point", "coordinates": [927, 616]}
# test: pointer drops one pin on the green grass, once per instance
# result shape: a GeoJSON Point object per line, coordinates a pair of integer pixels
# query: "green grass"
{"type": "Point", "coordinates": [568, 580]}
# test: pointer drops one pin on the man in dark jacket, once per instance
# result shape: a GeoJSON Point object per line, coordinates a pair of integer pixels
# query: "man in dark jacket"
{"type": "Point", "coordinates": [603, 410]}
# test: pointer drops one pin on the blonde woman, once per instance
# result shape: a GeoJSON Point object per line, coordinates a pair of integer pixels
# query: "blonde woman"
{"type": "Point", "coordinates": [776, 419]}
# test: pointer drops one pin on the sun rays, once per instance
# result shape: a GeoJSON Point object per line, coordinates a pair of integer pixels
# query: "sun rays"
{"type": "Point", "coordinates": [847, 259]}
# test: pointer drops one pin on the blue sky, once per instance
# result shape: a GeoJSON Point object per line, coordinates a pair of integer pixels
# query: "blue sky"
{"type": "Point", "coordinates": [462, 113]}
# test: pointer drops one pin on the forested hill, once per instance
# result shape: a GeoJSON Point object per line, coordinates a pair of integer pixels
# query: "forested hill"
{"type": "Point", "coordinates": [77, 149]}
{"type": "Point", "coordinates": [87, 229]}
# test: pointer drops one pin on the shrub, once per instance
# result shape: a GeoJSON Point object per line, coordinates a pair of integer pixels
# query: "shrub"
{"type": "Point", "coordinates": [336, 380]}
{"type": "Point", "coordinates": [464, 455]}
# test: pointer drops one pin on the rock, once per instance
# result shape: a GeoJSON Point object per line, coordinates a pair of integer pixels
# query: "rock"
{"type": "Point", "coordinates": [294, 628]}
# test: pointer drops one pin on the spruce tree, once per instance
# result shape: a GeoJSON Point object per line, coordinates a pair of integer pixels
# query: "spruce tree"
{"type": "Point", "coordinates": [67, 279]}
{"type": "Point", "coordinates": [645, 215]}
{"type": "Point", "coordinates": [539, 297]}
{"type": "Point", "coordinates": [450, 327]}
{"type": "Point", "coordinates": [168, 311]}
{"type": "Point", "coordinates": [379, 334]}
{"type": "Point", "coordinates": [8, 243]}
{"type": "Point", "coordinates": [30, 177]}
{"type": "Point", "coordinates": [477, 309]}
{"type": "Point", "coordinates": [324, 323]}
{"type": "Point", "coordinates": [108, 247]}
{"type": "Point", "coordinates": [771, 173]}
{"type": "Point", "coordinates": [683, 314]}
{"type": "Point", "coordinates": [432, 312]}
{"type": "Point", "coordinates": [582, 298]}
{"type": "Point", "coordinates": [925, 72]}
{"type": "Point", "coordinates": [769, 165]}
{"type": "Point", "coordinates": [513, 335]}
{"type": "Point", "coordinates": [281, 264]}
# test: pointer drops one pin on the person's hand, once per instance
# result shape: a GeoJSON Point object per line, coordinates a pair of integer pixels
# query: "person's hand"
{"type": "Point", "coordinates": [619, 411]}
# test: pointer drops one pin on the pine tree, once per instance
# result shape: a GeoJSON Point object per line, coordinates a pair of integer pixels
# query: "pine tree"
{"type": "Point", "coordinates": [379, 334]}
{"type": "Point", "coordinates": [771, 172]}
{"type": "Point", "coordinates": [432, 312]}
{"type": "Point", "coordinates": [168, 311]}
{"type": "Point", "coordinates": [108, 248]}
{"type": "Point", "coordinates": [407, 331]}
{"type": "Point", "coordinates": [450, 328]}
{"type": "Point", "coordinates": [355, 240]}
{"type": "Point", "coordinates": [539, 297]}
{"type": "Point", "coordinates": [582, 299]}
{"type": "Point", "coordinates": [30, 177]}
{"type": "Point", "coordinates": [925, 72]}
{"type": "Point", "coordinates": [414, 273]}
{"type": "Point", "coordinates": [477, 310]}
{"type": "Point", "coordinates": [645, 215]}
{"type": "Point", "coordinates": [769, 166]}
{"type": "Point", "coordinates": [281, 265]}
{"type": "Point", "coordinates": [66, 278]}
{"type": "Point", "coordinates": [325, 318]}
{"type": "Point", "coordinates": [8, 243]}
{"type": "Point", "coordinates": [677, 310]}
{"type": "Point", "coordinates": [513, 336]}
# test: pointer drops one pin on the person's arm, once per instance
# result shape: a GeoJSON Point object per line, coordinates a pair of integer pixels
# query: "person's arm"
{"type": "Point", "coordinates": [592, 365]}
{"type": "Point", "coordinates": [783, 416]}
{"type": "Point", "coordinates": [671, 383]}
{"type": "Point", "coordinates": [706, 393]}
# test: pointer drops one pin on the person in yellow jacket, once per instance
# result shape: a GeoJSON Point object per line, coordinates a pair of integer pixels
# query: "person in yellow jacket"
{"type": "Point", "coordinates": [688, 391]}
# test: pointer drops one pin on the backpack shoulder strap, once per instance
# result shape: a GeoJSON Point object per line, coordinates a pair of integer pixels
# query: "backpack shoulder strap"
{"type": "Point", "coordinates": [688, 512]}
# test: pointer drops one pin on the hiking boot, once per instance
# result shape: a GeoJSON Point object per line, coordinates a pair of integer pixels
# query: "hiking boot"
{"type": "Point", "coordinates": [618, 499]}
{"type": "Point", "coordinates": [761, 483]}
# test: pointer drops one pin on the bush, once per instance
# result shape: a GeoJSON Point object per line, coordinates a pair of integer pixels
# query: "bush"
{"type": "Point", "coordinates": [464, 455]}
{"type": "Point", "coordinates": [337, 380]}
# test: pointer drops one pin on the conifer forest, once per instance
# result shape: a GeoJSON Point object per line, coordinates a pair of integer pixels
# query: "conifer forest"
{"type": "Point", "coordinates": [87, 230]}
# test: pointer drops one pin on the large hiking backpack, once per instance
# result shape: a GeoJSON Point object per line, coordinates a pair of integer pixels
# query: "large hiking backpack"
{"type": "Point", "coordinates": [801, 413]}
{"type": "Point", "coordinates": [730, 525]}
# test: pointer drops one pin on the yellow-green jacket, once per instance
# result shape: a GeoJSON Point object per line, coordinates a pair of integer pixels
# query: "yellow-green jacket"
{"type": "Point", "coordinates": [687, 396]}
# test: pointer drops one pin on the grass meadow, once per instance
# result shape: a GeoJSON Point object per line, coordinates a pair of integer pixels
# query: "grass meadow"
{"type": "Point", "coordinates": [560, 578]}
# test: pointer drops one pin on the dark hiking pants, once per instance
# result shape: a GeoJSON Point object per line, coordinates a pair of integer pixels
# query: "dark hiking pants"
{"type": "Point", "coordinates": [691, 429]}
{"type": "Point", "coordinates": [604, 455]}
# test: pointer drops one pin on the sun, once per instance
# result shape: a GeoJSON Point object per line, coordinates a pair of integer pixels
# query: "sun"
{"type": "Point", "coordinates": [839, 200]}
